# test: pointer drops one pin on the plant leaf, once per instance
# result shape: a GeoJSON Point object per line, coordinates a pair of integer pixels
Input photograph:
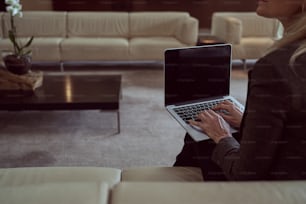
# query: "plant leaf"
{"type": "Point", "coordinates": [13, 40]}
{"type": "Point", "coordinates": [27, 52]}
{"type": "Point", "coordinates": [28, 43]}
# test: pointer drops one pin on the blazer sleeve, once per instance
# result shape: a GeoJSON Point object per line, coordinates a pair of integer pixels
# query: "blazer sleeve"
{"type": "Point", "coordinates": [261, 128]}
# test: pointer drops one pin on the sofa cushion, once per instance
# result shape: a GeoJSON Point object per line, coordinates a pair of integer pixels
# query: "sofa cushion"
{"type": "Point", "coordinates": [79, 49]}
{"type": "Point", "coordinates": [43, 49]}
{"type": "Point", "coordinates": [55, 193]}
{"type": "Point", "coordinates": [249, 33]}
{"type": "Point", "coordinates": [254, 25]}
{"type": "Point", "coordinates": [96, 36]}
{"type": "Point", "coordinates": [209, 193]}
{"type": "Point", "coordinates": [146, 174]}
{"type": "Point", "coordinates": [39, 175]}
{"type": "Point", "coordinates": [252, 48]}
{"type": "Point", "coordinates": [156, 23]}
{"type": "Point", "coordinates": [38, 24]}
{"type": "Point", "coordinates": [98, 24]}
{"type": "Point", "coordinates": [151, 48]}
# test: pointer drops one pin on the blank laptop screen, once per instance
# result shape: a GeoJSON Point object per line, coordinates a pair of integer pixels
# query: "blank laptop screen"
{"type": "Point", "coordinates": [195, 73]}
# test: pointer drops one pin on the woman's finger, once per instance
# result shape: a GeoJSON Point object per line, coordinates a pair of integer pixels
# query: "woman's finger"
{"type": "Point", "coordinates": [221, 106]}
{"type": "Point", "coordinates": [208, 114]}
{"type": "Point", "coordinates": [212, 113]}
{"type": "Point", "coordinates": [225, 116]}
{"type": "Point", "coordinates": [227, 102]}
{"type": "Point", "coordinates": [192, 122]}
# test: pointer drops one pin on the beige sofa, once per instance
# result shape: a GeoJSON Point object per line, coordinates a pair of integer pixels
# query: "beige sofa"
{"type": "Point", "coordinates": [147, 185]}
{"type": "Point", "coordinates": [251, 35]}
{"type": "Point", "coordinates": [101, 36]}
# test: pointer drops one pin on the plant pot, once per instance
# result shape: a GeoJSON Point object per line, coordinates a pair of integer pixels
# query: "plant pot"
{"type": "Point", "coordinates": [18, 64]}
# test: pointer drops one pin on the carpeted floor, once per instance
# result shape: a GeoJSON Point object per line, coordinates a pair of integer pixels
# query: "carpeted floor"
{"type": "Point", "coordinates": [149, 136]}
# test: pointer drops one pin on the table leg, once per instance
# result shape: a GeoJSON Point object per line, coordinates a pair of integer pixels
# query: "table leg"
{"type": "Point", "coordinates": [118, 121]}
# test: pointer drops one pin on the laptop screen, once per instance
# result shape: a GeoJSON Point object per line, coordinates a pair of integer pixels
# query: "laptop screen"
{"type": "Point", "coordinates": [194, 73]}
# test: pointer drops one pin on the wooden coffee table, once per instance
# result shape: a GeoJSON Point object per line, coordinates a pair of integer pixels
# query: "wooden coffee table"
{"type": "Point", "coordinates": [69, 92]}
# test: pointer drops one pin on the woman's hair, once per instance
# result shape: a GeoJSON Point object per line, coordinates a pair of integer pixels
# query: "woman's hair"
{"type": "Point", "coordinates": [296, 31]}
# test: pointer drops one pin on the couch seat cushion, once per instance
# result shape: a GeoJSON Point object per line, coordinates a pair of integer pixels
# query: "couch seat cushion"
{"type": "Point", "coordinates": [43, 49]}
{"type": "Point", "coordinates": [151, 48]}
{"type": "Point", "coordinates": [55, 193]}
{"type": "Point", "coordinates": [81, 49]}
{"type": "Point", "coordinates": [251, 48]}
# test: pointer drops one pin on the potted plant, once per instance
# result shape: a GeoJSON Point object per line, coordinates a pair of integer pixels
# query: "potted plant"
{"type": "Point", "coordinates": [19, 62]}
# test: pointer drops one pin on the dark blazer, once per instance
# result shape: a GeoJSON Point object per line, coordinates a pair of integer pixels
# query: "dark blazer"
{"type": "Point", "coordinates": [273, 129]}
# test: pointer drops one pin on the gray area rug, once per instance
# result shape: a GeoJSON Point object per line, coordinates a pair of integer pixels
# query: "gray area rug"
{"type": "Point", "coordinates": [149, 136]}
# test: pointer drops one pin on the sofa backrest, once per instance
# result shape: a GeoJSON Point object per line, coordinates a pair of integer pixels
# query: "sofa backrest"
{"type": "Point", "coordinates": [101, 24]}
{"type": "Point", "coordinates": [38, 24]}
{"type": "Point", "coordinates": [98, 24]}
{"type": "Point", "coordinates": [156, 23]}
{"type": "Point", "coordinates": [252, 24]}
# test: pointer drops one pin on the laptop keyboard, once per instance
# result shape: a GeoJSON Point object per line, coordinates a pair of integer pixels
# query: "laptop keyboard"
{"type": "Point", "coordinates": [191, 112]}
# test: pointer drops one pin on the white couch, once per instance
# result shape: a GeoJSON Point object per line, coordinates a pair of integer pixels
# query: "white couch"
{"type": "Point", "coordinates": [101, 36]}
{"type": "Point", "coordinates": [147, 185]}
{"type": "Point", "coordinates": [250, 35]}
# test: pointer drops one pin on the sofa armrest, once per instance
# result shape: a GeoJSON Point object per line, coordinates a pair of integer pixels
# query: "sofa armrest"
{"type": "Point", "coordinates": [188, 32]}
{"type": "Point", "coordinates": [227, 28]}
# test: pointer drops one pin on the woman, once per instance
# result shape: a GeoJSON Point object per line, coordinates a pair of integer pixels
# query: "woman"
{"type": "Point", "coordinates": [271, 144]}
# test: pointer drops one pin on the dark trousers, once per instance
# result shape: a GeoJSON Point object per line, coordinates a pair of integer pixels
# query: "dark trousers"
{"type": "Point", "coordinates": [198, 154]}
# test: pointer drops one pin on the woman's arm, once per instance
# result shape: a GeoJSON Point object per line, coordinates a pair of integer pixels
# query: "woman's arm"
{"type": "Point", "coordinates": [261, 129]}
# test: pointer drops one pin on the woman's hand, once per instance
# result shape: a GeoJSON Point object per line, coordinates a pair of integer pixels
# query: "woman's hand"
{"type": "Point", "coordinates": [232, 114]}
{"type": "Point", "coordinates": [213, 125]}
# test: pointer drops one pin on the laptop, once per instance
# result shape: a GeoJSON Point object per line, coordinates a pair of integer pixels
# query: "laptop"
{"type": "Point", "coordinates": [197, 78]}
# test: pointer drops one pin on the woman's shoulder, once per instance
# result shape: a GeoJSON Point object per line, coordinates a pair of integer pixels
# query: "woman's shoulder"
{"type": "Point", "coordinates": [282, 54]}
{"type": "Point", "coordinates": [279, 60]}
